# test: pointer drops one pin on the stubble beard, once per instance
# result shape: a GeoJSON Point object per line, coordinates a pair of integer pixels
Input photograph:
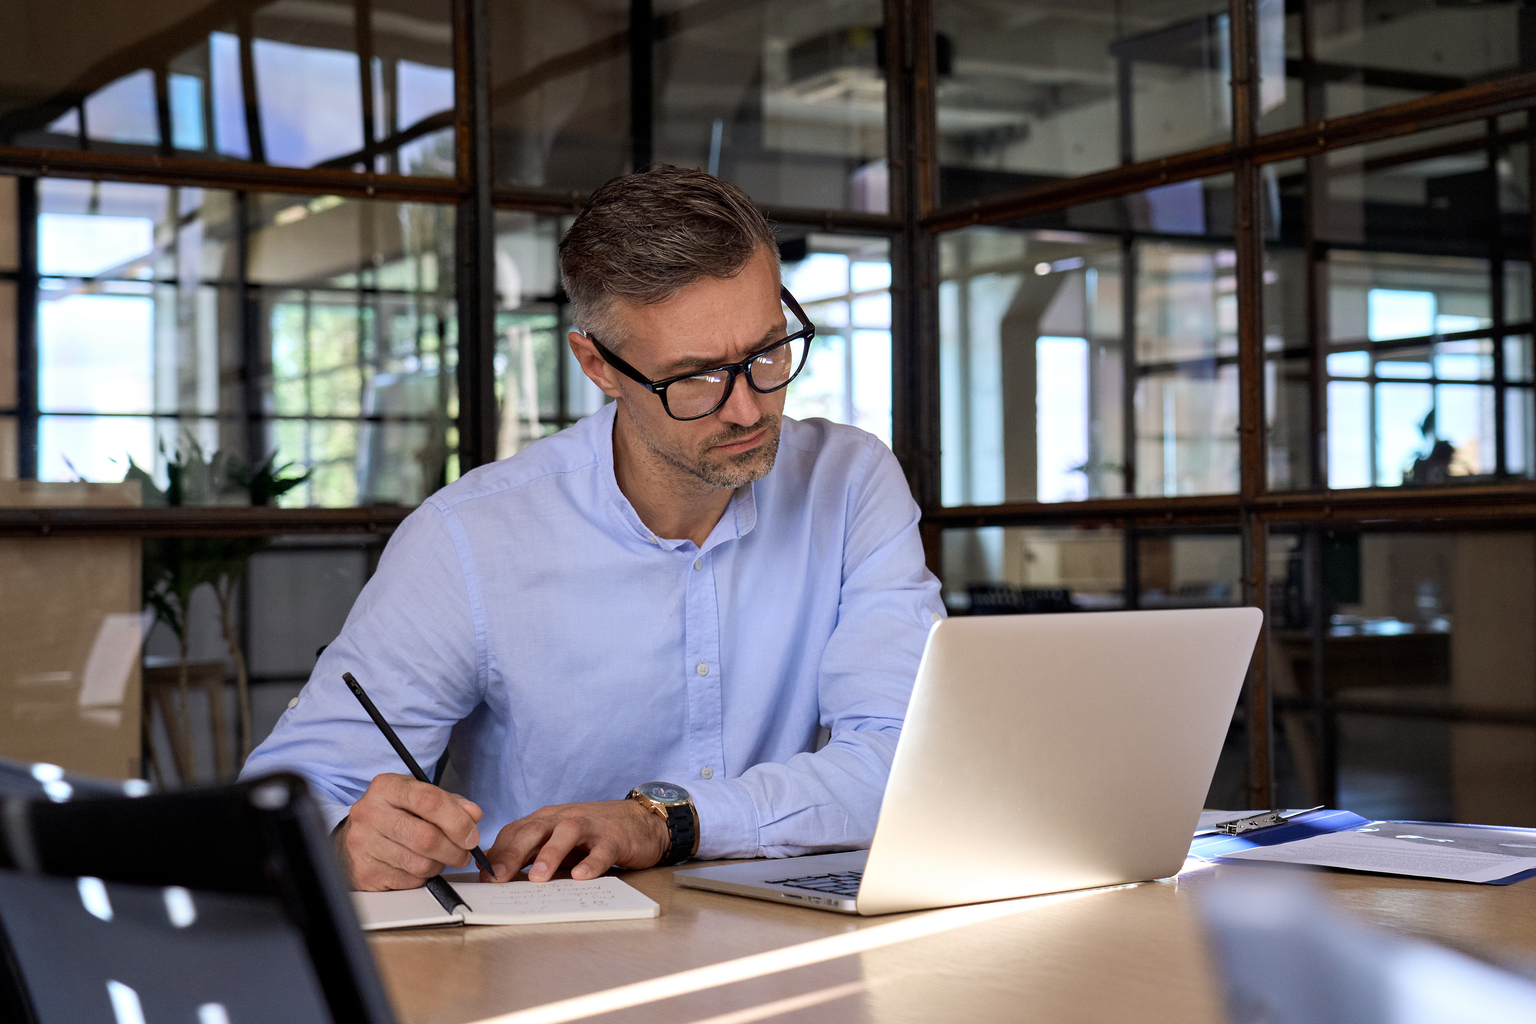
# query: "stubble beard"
{"type": "Point", "coordinates": [723, 469]}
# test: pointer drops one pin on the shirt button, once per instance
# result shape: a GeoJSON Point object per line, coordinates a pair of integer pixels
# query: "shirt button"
{"type": "Point", "coordinates": [933, 617]}
{"type": "Point", "coordinates": [703, 669]}
{"type": "Point", "coordinates": [655, 541]}
{"type": "Point", "coordinates": [294, 703]}
{"type": "Point", "coordinates": [698, 563]}
{"type": "Point", "coordinates": [706, 772]}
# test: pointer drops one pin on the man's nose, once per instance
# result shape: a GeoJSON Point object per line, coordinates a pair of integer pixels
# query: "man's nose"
{"type": "Point", "coordinates": [741, 406]}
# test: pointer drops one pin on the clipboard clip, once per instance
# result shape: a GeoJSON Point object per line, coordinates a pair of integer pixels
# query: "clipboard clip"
{"type": "Point", "coordinates": [1258, 821]}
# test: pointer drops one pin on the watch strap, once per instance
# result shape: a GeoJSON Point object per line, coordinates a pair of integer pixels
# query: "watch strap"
{"type": "Point", "coordinates": [682, 833]}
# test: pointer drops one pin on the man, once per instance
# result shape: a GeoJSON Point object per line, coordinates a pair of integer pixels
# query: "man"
{"type": "Point", "coordinates": [684, 586]}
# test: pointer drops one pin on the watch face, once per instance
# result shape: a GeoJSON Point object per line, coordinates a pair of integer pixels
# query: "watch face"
{"type": "Point", "coordinates": [663, 792]}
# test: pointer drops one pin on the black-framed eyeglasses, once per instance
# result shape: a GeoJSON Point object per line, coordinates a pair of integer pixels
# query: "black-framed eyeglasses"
{"type": "Point", "coordinates": [692, 396]}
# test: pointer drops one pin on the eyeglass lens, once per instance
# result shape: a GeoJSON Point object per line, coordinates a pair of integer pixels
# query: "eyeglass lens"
{"type": "Point", "coordinates": [702, 394]}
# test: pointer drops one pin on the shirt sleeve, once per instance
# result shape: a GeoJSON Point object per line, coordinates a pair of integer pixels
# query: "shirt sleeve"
{"type": "Point", "coordinates": [830, 799]}
{"type": "Point", "coordinates": [411, 641]}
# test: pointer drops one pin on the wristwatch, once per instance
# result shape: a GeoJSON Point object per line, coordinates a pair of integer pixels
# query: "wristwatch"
{"type": "Point", "coordinates": [675, 807]}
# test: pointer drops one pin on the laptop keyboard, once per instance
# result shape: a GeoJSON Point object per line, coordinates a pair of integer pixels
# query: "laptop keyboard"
{"type": "Point", "coordinates": [841, 883]}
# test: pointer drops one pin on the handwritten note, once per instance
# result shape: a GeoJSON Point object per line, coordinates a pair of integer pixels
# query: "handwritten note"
{"type": "Point", "coordinates": [600, 899]}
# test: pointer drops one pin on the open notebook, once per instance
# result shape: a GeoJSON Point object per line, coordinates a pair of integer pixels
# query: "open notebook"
{"type": "Point", "coordinates": [600, 899]}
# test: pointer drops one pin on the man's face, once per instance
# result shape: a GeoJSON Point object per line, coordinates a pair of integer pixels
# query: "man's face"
{"type": "Point", "coordinates": [710, 323]}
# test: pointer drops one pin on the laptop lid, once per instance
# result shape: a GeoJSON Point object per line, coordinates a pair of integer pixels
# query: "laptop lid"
{"type": "Point", "coordinates": [1043, 753]}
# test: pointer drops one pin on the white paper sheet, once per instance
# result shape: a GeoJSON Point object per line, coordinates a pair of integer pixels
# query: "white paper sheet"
{"type": "Point", "coordinates": [1387, 855]}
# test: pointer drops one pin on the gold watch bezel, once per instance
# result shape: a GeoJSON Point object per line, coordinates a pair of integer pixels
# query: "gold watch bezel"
{"type": "Point", "coordinates": [659, 807]}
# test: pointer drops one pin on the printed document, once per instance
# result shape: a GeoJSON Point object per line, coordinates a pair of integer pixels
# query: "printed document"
{"type": "Point", "coordinates": [1421, 851]}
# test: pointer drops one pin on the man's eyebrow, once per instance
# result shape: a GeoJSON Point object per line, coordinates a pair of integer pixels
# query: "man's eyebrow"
{"type": "Point", "coordinates": [686, 365]}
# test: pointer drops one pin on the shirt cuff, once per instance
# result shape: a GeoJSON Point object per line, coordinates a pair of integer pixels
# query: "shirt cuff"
{"type": "Point", "coordinates": [727, 819]}
{"type": "Point", "coordinates": [331, 812]}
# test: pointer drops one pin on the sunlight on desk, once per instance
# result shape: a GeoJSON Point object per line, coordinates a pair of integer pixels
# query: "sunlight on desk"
{"type": "Point", "coordinates": [1127, 953]}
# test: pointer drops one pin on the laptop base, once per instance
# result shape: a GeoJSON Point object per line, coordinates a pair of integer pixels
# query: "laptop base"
{"type": "Point", "coordinates": [757, 878]}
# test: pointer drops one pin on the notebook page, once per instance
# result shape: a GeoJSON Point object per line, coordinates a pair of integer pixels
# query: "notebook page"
{"type": "Point", "coordinates": [403, 908]}
{"type": "Point", "coordinates": [600, 899]}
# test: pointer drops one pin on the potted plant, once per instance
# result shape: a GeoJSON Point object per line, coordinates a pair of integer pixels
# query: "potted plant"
{"type": "Point", "coordinates": [175, 567]}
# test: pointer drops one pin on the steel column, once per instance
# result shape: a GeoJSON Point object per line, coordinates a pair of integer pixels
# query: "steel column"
{"type": "Point", "coordinates": [475, 240]}
{"type": "Point", "coordinates": [26, 328]}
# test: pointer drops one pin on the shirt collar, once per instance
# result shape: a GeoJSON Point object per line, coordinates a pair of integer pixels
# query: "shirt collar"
{"type": "Point", "coordinates": [738, 520]}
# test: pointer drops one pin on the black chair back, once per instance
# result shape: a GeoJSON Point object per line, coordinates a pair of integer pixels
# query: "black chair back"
{"type": "Point", "coordinates": [221, 906]}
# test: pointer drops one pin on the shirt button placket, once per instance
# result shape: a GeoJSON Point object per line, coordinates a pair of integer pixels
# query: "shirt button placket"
{"type": "Point", "coordinates": [702, 644]}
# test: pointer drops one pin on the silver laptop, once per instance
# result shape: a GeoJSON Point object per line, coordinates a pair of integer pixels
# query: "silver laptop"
{"type": "Point", "coordinates": [1041, 753]}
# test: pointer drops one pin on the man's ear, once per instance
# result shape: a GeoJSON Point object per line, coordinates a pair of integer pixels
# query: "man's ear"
{"type": "Point", "coordinates": [593, 365]}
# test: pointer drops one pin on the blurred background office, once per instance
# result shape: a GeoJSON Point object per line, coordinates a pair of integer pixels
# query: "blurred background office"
{"type": "Point", "coordinates": [1161, 303]}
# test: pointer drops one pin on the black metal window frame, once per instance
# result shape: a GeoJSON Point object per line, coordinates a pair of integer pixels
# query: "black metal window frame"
{"type": "Point", "coordinates": [913, 226]}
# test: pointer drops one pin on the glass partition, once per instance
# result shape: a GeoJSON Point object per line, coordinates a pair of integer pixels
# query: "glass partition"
{"type": "Point", "coordinates": [178, 323]}
{"type": "Point", "coordinates": [843, 282]}
{"type": "Point", "coordinates": [1008, 570]}
{"type": "Point", "coordinates": [1059, 383]}
{"type": "Point", "coordinates": [539, 385]}
{"type": "Point", "coordinates": [994, 570]}
{"type": "Point", "coordinates": [1363, 54]}
{"type": "Point", "coordinates": [1399, 663]}
{"type": "Point", "coordinates": [1421, 309]}
{"type": "Point", "coordinates": [1188, 569]}
{"type": "Point", "coordinates": [785, 98]}
{"type": "Point", "coordinates": [322, 83]}
{"type": "Point", "coordinates": [1032, 91]}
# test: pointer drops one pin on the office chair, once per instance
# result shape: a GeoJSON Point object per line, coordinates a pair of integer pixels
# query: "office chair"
{"type": "Point", "coordinates": [213, 905]}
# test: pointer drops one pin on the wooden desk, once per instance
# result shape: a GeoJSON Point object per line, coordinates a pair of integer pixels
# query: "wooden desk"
{"type": "Point", "coordinates": [1132, 953]}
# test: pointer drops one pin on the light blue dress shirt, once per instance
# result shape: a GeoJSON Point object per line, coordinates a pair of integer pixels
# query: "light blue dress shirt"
{"type": "Point", "coordinates": [527, 619]}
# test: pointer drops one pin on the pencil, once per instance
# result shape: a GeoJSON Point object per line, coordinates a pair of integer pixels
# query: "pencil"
{"type": "Point", "coordinates": [405, 755]}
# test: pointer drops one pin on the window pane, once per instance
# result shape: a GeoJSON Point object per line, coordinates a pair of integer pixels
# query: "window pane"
{"type": "Point", "coordinates": [992, 569]}
{"type": "Point", "coordinates": [149, 79]}
{"type": "Point", "coordinates": [141, 334]}
{"type": "Point", "coordinates": [785, 98]}
{"type": "Point", "coordinates": [843, 283]}
{"type": "Point", "coordinates": [539, 385]}
{"type": "Point", "coordinates": [1422, 317]}
{"type": "Point", "coordinates": [1366, 54]}
{"type": "Point", "coordinates": [1034, 352]}
{"type": "Point", "coordinates": [1411, 624]}
{"type": "Point", "coordinates": [1189, 570]}
{"type": "Point", "coordinates": [1033, 91]}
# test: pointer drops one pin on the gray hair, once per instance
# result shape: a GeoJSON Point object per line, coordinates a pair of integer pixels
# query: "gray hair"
{"type": "Point", "coordinates": [643, 237]}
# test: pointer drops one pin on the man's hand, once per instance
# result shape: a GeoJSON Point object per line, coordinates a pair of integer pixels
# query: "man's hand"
{"type": "Point", "coordinates": [403, 832]}
{"type": "Point", "coordinates": [611, 833]}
